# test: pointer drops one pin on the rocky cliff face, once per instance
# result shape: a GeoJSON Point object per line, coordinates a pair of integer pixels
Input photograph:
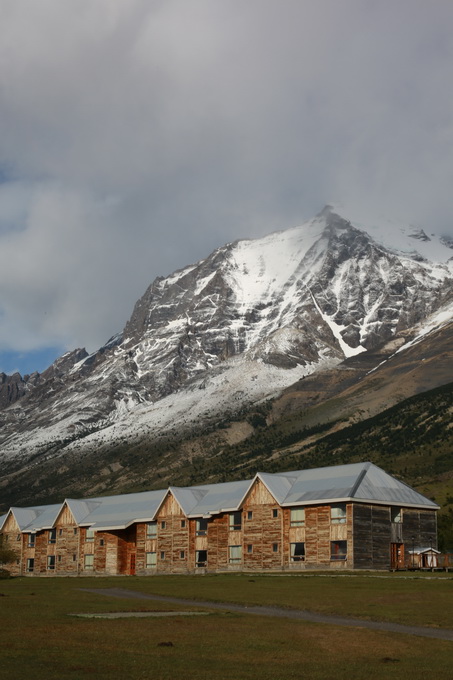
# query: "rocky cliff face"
{"type": "Point", "coordinates": [239, 326]}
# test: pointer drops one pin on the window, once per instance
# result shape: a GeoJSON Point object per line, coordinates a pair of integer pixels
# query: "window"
{"type": "Point", "coordinates": [31, 540]}
{"type": "Point", "coordinates": [274, 547]}
{"type": "Point", "coordinates": [30, 564]}
{"type": "Point", "coordinates": [201, 558]}
{"type": "Point", "coordinates": [235, 554]}
{"type": "Point", "coordinates": [297, 517]}
{"type": "Point", "coordinates": [75, 531]}
{"type": "Point", "coordinates": [250, 514]}
{"type": "Point", "coordinates": [51, 562]}
{"type": "Point", "coordinates": [151, 560]}
{"type": "Point", "coordinates": [151, 530]}
{"type": "Point", "coordinates": [201, 527]}
{"type": "Point", "coordinates": [18, 537]}
{"type": "Point", "coordinates": [101, 542]}
{"type": "Point", "coordinates": [88, 563]}
{"type": "Point", "coordinates": [60, 532]}
{"type": "Point", "coordinates": [338, 513]}
{"type": "Point", "coordinates": [59, 558]}
{"type": "Point", "coordinates": [338, 550]}
{"type": "Point", "coordinates": [74, 557]}
{"type": "Point", "coordinates": [235, 521]}
{"type": "Point", "coordinates": [297, 552]}
{"type": "Point", "coordinates": [183, 524]}
{"type": "Point", "coordinates": [52, 536]}
{"type": "Point", "coordinates": [162, 555]}
{"type": "Point", "coordinates": [396, 515]}
{"type": "Point", "coordinates": [249, 548]}
{"type": "Point", "coordinates": [89, 535]}
{"type": "Point", "coordinates": [275, 512]}
{"type": "Point", "coordinates": [163, 524]}
{"type": "Point", "coordinates": [182, 555]}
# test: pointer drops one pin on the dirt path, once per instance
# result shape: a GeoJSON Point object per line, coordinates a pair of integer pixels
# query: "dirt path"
{"type": "Point", "coordinates": [302, 615]}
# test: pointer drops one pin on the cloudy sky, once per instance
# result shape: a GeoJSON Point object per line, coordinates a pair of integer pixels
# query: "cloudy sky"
{"type": "Point", "coordinates": [138, 135]}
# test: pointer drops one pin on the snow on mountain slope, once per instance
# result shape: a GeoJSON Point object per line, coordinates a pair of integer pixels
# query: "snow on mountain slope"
{"type": "Point", "coordinates": [235, 328]}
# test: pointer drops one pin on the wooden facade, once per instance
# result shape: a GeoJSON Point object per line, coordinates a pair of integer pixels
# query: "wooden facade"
{"type": "Point", "coordinates": [282, 522]}
{"type": "Point", "coordinates": [260, 535]}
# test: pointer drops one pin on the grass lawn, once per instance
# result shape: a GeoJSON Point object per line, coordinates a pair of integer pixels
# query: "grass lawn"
{"type": "Point", "coordinates": [40, 640]}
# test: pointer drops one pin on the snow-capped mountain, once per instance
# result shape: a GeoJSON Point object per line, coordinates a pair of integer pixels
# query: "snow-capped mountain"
{"type": "Point", "coordinates": [236, 328]}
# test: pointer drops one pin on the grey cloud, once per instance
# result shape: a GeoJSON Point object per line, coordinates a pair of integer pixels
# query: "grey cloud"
{"type": "Point", "coordinates": [140, 135]}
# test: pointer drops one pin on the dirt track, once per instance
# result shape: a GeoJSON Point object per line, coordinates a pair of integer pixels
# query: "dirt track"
{"type": "Point", "coordinates": [302, 615]}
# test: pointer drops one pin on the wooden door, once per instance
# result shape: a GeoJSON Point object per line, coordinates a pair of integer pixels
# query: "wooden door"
{"type": "Point", "coordinates": [396, 555]}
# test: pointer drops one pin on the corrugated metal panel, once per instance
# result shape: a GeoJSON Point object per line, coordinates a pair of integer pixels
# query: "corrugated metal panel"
{"type": "Point", "coordinates": [226, 496]}
{"type": "Point", "coordinates": [44, 518]}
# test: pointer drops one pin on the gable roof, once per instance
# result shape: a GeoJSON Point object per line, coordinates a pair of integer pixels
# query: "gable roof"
{"type": "Point", "coordinates": [357, 481]}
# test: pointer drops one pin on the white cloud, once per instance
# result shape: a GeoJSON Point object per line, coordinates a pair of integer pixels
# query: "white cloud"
{"type": "Point", "coordinates": [137, 135]}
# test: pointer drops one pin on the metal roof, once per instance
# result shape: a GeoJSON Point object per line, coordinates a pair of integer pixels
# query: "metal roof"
{"type": "Point", "coordinates": [362, 482]}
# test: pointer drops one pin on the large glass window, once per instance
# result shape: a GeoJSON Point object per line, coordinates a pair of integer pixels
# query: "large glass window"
{"type": "Point", "coordinates": [338, 550]}
{"type": "Point", "coordinates": [51, 562]}
{"type": "Point", "coordinates": [297, 517]}
{"type": "Point", "coordinates": [202, 527]}
{"type": "Point", "coordinates": [52, 536]}
{"type": "Point", "coordinates": [151, 560]}
{"type": "Point", "coordinates": [235, 521]}
{"type": "Point", "coordinates": [297, 552]}
{"type": "Point", "coordinates": [338, 513]}
{"type": "Point", "coordinates": [201, 558]}
{"type": "Point", "coordinates": [396, 515]}
{"type": "Point", "coordinates": [235, 554]}
{"type": "Point", "coordinates": [151, 530]}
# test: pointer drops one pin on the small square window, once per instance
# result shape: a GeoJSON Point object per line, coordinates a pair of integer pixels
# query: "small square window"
{"type": "Point", "coordinates": [250, 514]}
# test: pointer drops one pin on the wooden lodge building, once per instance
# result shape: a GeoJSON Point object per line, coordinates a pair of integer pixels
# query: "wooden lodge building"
{"type": "Point", "coordinates": [344, 517]}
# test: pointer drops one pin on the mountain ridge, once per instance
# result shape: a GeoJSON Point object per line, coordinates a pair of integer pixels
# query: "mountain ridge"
{"type": "Point", "coordinates": [233, 330]}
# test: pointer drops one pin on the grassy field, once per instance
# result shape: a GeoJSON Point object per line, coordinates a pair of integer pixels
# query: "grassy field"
{"type": "Point", "coordinates": [41, 639]}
